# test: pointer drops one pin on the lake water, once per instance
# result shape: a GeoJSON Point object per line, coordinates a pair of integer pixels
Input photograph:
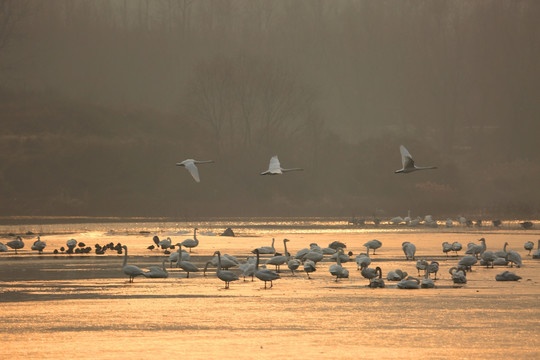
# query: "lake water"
{"type": "Point", "coordinates": [82, 306]}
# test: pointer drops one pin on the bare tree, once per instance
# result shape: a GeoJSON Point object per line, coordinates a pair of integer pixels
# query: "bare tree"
{"type": "Point", "coordinates": [11, 14]}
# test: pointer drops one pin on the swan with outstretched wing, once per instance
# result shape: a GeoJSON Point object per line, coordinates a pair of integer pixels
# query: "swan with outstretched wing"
{"type": "Point", "coordinates": [408, 162]}
{"type": "Point", "coordinates": [274, 168]}
{"type": "Point", "coordinates": [189, 164]}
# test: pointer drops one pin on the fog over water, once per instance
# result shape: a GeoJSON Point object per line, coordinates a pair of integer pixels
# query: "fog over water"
{"type": "Point", "coordinates": [100, 99]}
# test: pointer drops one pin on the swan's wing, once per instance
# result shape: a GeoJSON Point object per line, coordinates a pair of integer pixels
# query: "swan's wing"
{"type": "Point", "coordinates": [193, 171]}
{"type": "Point", "coordinates": [293, 169]}
{"type": "Point", "coordinates": [203, 161]}
{"type": "Point", "coordinates": [406, 158]}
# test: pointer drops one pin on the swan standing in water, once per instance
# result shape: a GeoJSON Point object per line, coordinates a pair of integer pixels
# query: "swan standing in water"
{"type": "Point", "coordinates": [185, 265]}
{"type": "Point", "coordinates": [502, 254]}
{"type": "Point", "coordinates": [337, 270]}
{"type": "Point", "coordinates": [157, 272]}
{"type": "Point", "coordinates": [456, 246]}
{"type": "Point", "coordinates": [279, 260]}
{"type": "Point", "coordinates": [408, 162]}
{"type": "Point", "coordinates": [189, 164]}
{"type": "Point", "coordinates": [224, 275]}
{"type": "Point", "coordinates": [373, 244]}
{"type": "Point", "coordinates": [467, 261]}
{"type": "Point", "coordinates": [362, 261]}
{"type": "Point", "coordinates": [427, 283]}
{"type": "Point", "coordinates": [191, 243]}
{"type": "Point", "coordinates": [274, 168]}
{"type": "Point", "coordinates": [529, 245]}
{"type": "Point", "coordinates": [309, 267]}
{"type": "Point", "coordinates": [266, 249]}
{"type": "Point", "coordinates": [264, 274]}
{"type": "Point", "coordinates": [446, 247]}
{"type": "Point", "coordinates": [409, 283]}
{"type": "Point", "coordinates": [458, 276]}
{"type": "Point", "coordinates": [396, 275]}
{"type": "Point", "coordinates": [248, 268]}
{"type": "Point", "coordinates": [377, 282]}
{"type": "Point", "coordinates": [130, 270]}
{"type": "Point", "coordinates": [536, 254]}
{"type": "Point", "coordinates": [488, 257]}
{"type": "Point", "coordinates": [39, 245]}
{"type": "Point", "coordinates": [409, 249]}
{"type": "Point", "coordinates": [227, 262]}
{"type": "Point", "coordinates": [507, 276]}
{"type": "Point", "coordinates": [514, 258]}
{"type": "Point", "coordinates": [16, 244]}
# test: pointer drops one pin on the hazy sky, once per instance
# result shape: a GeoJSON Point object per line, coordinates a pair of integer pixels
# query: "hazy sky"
{"type": "Point", "coordinates": [128, 88]}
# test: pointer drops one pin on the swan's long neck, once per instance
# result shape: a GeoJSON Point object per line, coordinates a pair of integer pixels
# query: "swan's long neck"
{"type": "Point", "coordinates": [163, 265]}
{"type": "Point", "coordinates": [179, 254]}
{"type": "Point", "coordinates": [273, 240]}
{"type": "Point", "coordinates": [285, 246]}
{"type": "Point", "coordinates": [379, 270]}
{"type": "Point", "coordinates": [338, 259]}
{"type": "Point", "coordinates": [218, 262]}
{"type": "Point", "coordinates": [257, 262]}
{"type": "Point", "coordinates": [195, 234]}
{"type": "Point", "coordinates": [125, 257]}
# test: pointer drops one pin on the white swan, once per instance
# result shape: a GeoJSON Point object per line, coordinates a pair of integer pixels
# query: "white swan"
{"type": "Point", "coordinates": [189, 164]}
{"type": "Point", "coordinates": [428, 283]}
{"type": "Point", "coordinates": [191, 243]}
{"type": "Point", "coordinates": [224, 275]}
{"type": "Point", "coordinates": [396, 275]}
{"type": "Point", "coordinates": [536, 254]}
{"type": "Point", "coordinates": [456, 246]}
{"type": "Point", "coordinates": [130, 270]}
{"type": "Point", "coordinates": [248, 268]}
{"type": "Point", "coordinates": [409, 249]}
{"type": "Point", "coordinates": [421, 265]}
{"type": "Point", "coordinates": [274, 168]}
{"type": "Point", "coordinates": [264, 274]}
{"type": "Point", "coordinates": [432, 268]}
{"type": "Point", "coordinates": [502, 254]}
{"type": "Point", "coordinates": [279, 260]}
{"type": "Point", "coordinates": [476, 250]}
{"type": "Point", "coordinates": [266, 249]}
{"type": "Point", "coordinates": [227, 262]}
{"type": "Point", "coordinates": [507, 276]}
{"type": "Point", "coordinates": [488, 257]}
{"type": "Point", "coordinates": [409, 283]}
{"type": "Point", "coordinates": [16, 244]}
{"type": "Point", "coordinates": [309, 267]}
{"type": "Point", "coordinates": [458, 276]}
{"type": "Point", "coordinates": [165, 243]}
{"type": "Point", "coordinates": [373, 244]}
{"type": "Point", "coordinates": [377, 282]}
{"type": "Point", "coordinates": [3, 247]}
{"type": "Point", "coordinates": [39, 245]}
{"type": "Point", "coordinates": [529, 245]}
{"type": "Point", "coordinates": [408, 162]}
{"type": "Point", "coordinates": [338, 270]}
{"type": "Point", "coordinates": [467, 261]}
{"type": "Point", "coordinates": [185, 265]}
{"type": "Point", "coordinates": [157, 272]}
{"type": "Point", "coordinates": [446, 247]}
{"type": "Point", "coordinates": [514, 258]}
{"type": "Point", "coordinates": [174, 257]}
{"type": "Point", "coordinates": [362, 261]}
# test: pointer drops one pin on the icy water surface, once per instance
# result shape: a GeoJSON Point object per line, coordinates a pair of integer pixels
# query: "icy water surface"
{"type": "Point", "coordinates": [82, 306]}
